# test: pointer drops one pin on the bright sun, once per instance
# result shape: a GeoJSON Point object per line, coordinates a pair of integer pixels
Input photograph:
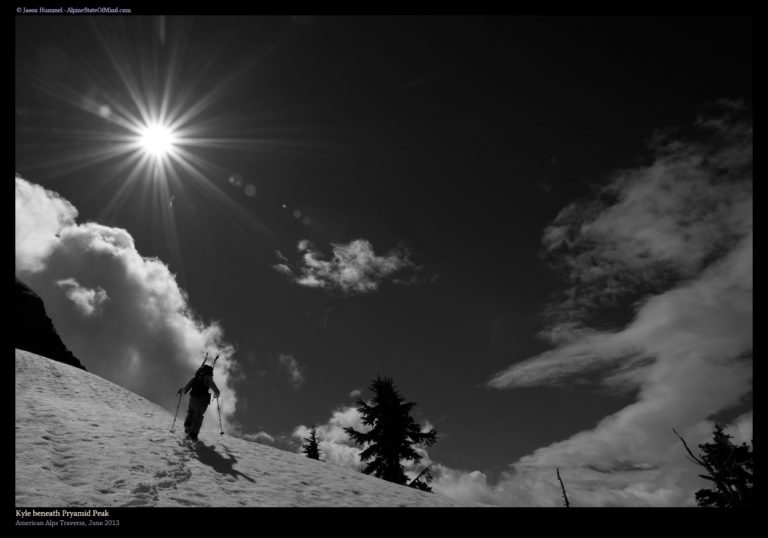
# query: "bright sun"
{"type": "Point", "coordinates": [157, 140]}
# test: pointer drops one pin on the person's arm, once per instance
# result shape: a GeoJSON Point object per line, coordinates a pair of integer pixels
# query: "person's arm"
{"type": "Point", "coordinates": [213, 386]}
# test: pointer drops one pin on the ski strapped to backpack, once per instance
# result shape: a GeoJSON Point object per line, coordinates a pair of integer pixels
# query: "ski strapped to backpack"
{"type": "Point", "coordinates": [207, 367]}
{"type": "Point", "coordinates": [199, 386]}
{"type": "Point", "coordinates": [206, 360]}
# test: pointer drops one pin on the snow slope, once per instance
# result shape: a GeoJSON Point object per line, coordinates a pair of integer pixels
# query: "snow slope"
{"type": "Point", "coordinates": [84, 441]}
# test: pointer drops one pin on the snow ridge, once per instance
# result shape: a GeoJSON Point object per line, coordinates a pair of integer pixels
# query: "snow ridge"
{"type": "Point", "coordinates": [84, 441]}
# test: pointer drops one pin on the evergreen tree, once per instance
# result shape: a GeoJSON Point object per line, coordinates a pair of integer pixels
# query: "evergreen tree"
{"type": "Point", "coordinates": [729, 467]}
{"type": "Point", "coordinates": [393, 432]}
{"type": "Point", "coordinates": [311, 447]}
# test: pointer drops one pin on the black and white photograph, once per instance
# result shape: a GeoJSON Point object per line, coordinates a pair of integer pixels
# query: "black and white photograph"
{"type": "Point", "coordinates": [413, 261]}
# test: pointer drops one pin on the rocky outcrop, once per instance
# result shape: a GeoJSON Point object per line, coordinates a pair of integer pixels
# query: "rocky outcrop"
{"type": "Point", "coordinates": [33, 329]}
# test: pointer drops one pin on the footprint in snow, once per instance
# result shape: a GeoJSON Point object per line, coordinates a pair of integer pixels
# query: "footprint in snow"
{"type": "Point", "coordinates": [144, 494]}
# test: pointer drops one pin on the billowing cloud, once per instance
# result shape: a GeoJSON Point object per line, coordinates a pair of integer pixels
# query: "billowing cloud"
{"type": "Point", "coordinates": [355, 393]}
{"type": "Point", "coordinates": [467, 488]}
{"type": "Point", "coordinates": [678, 230]}
{"type": "Point", "coordinates": [293, 369]}
{"type": "Point", "coordinates": [355, 268]}
{"type": "Point", "coordinates": [87, 301]}
{"type": "Point", "coordinates": [525, 485]}
{"type": "Point", "coordinates": [146, 336]}
{"type": "Point", "coordinates": [335, 445]}
{"type": "Point", "coordinates": [40, 216]}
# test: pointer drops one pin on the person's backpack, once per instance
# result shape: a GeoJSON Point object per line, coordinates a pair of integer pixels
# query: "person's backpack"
{"type": "Point", "coordinates": [199, 387]}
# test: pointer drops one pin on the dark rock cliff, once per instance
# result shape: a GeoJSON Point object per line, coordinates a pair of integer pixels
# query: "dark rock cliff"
{"type": "Point", "coordinates": [33, 329]}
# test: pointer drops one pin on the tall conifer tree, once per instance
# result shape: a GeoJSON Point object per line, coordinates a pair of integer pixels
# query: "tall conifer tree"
{"type": "Point", "coordinates": [393, 432]}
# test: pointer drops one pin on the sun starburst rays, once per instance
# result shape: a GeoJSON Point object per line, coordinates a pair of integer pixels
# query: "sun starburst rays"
{"type": "Point", "coordinates": [157, 140]}
{"type": "Point", "coordinates": [148, 132]}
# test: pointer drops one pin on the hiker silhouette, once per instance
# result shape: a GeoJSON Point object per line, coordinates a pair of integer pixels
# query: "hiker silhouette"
{"type": "Point", "coordinates": [199, 398]}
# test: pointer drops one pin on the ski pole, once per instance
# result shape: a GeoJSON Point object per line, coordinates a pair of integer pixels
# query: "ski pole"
{"type": "Point", "coordinates": [177, 412]}
{"type": "Point", "coordinates": [219, 408]}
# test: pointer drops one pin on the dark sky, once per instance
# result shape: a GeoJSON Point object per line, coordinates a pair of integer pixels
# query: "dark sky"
{"type": "Point", "coordinates": [456, 138]}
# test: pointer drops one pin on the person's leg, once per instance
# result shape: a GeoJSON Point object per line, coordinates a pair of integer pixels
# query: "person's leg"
{"type": "Point", "coordinates": [190, 419]}
{"type": "Point", "coordinates": [193, 417]}
{"type": "Point", "coordinates": [198, 422]}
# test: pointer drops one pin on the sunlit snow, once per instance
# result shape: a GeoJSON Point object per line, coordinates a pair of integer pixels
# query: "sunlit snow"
{"type": "Point", "coordinates": [84, 441]}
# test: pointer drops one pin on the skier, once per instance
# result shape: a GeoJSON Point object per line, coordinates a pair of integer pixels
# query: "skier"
{"type": "Point", "coordinates": [199, 398]}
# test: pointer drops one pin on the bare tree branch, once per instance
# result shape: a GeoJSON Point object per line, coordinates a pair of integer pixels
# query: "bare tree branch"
{"type": "Point", "coordinates": [567, 504]}
{"type": "Point", "coordinates": [719, 480]}
{"type": "Point", "coordinates": [694, 458]}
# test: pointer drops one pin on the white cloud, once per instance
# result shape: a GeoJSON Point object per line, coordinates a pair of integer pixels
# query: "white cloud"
{"type": "Point", "coordinates": [293, 369]}
{"type": "Point", "coordinates": [655, 225]}
{"type": "Point", "coordinates": [282, 268]}
{"type": "Point", "coordinates": [534, 485]}
{"type": "Point", "coordinates": [355, 393]}
{"type": "Point", "coordinates": [466, 488]}
{"type": "Point", "coordinates": [281, 256]}
{"type": "Point", "coordinates": [40, 216]}
{"type": "Point", "coordinates": [88, 301]}
{"type": "Point", "coordinates": [334, 443]}
{"type": "Point", "coordinates": [146, 337]}
{"type": "Point", "coordinates": [355, 268]}
{"type": "Point", "coordinates": [311, 281]}
{"type": "Point", "coordinates": [682, 227]}
{"type": "Point", "coordinates": [336, 447]}
{"type": "Point", "coordinates": [741, 429]}
{"type": "Point", "coordinates": [259, 437]}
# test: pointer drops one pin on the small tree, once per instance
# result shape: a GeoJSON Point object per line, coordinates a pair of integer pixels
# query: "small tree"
{"type": "Point", "coordinates": [729, 467]}
{"type": "Point", "coordinates": [393, 432]}
{"type": "Point", "coordinates": [311, 447]}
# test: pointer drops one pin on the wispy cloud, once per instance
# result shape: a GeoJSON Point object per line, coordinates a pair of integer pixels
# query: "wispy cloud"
{"type": "Point", "coordinates": [146, 337]}
{"type": "Point", "coordinates": [679, 231]}
{"type": "Point", "coordinates": [281, 256]}
{"type": "Point", "coordinates": [355, 393]}
{"type": "Point", "coordinates": [293, 369]}
{"type": "Point", "coordinates": [354, 267]}
{"type": "Point", "coordinates": [656, 225]}
{"type": "Point", "coordinates": [282, 268]}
